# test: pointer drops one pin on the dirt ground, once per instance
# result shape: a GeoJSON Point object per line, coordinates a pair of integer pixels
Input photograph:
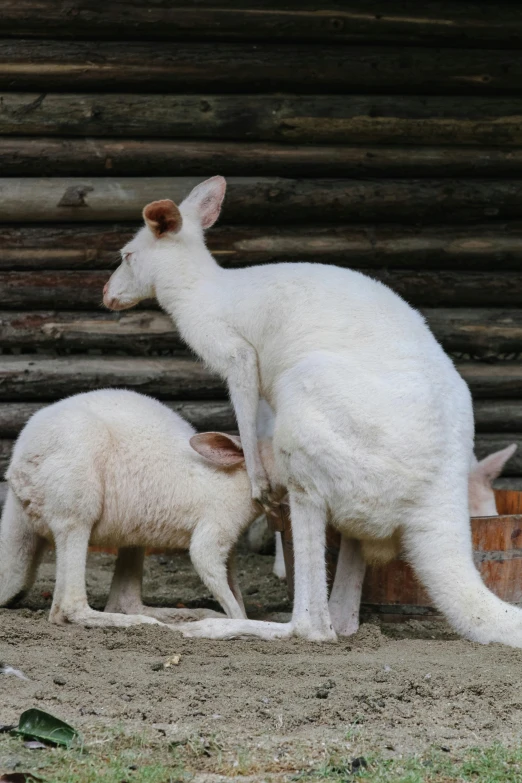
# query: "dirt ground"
{"type": "Point", "coordinates": [393, 689]}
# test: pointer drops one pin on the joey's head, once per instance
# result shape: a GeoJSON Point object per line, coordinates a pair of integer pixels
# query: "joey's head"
{"type": "Point", "coordinates": [168, 247]}
{"type": "Point", "coordinates": [481, 478]}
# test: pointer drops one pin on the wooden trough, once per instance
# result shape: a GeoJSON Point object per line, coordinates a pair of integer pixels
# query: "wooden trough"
{"type": "Point", "coordinates": [393, 591]}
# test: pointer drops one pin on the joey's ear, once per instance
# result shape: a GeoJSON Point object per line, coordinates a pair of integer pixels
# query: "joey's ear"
{"type": "Point", "coordinates": [490, 468]}
{"type": "Point", "coordinates": [207, 198]}
{"type": "Point", "coordinates": [162, 217]}
{"type": "Point", "coordinates": [216, 447]}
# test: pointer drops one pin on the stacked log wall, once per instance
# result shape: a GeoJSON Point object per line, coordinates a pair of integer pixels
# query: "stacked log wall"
{"type": "Point", "coordinates": [383, 136]}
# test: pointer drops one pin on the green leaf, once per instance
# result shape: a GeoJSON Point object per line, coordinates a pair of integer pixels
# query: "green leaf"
{"type": "Point", "coordinates": [40, 725]}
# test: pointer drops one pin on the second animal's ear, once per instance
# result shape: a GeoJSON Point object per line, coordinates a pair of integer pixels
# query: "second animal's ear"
{"type": "Point", "coordinates": [162, 217]}
{"type": "Point", "coordinates": [219, 448]}
{"type": "Point", "coordinates": [207, 198]}
{"type": "Point", "coordinates": [490, 468]}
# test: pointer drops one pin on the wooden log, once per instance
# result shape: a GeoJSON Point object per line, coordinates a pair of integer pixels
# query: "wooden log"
{"type": "Point", "coordinates": [325, 119]}
{"type": "Point", "coordinates": [472, 24]}
{"type": "Point", "coordinates": [498, 416]}
{"type": "Point", "coordinates": [503, 380]}
{"type": "Point", "coordinates": [42, 156]}
{"type": "Point", "coordinates": [501, 418]}
{"type": "Point", "coordinates": [223, 420]}
{"type": "Point", "coordinates": [202, 414]}
{"type": "Point", "coordinates": [265, 199]}
{"type": "Point", "coordinates": [484, 333]}
{"type": "Point", "coordinates": [83, 246]}
{"type": "Point", "coordinates": [66, 290]}
{"type": "Point", "coordinates": [36, 378]}
{"type": "Point", "coordinates": [477, 333]}
{"type": "Point", "coordinates": [263, 67]}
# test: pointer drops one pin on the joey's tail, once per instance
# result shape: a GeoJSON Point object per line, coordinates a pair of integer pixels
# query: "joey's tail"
{"type": "Point", "coordinates": [20, 551]}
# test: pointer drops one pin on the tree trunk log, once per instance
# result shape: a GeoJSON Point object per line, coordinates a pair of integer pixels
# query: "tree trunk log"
{"type": "Point", "coordinates": [30, 157]}
{"type": "Point", "coordinates": [388, 21]}
{"type": "Point", "coordinates": [36, 378]}
{"type": "Point", "coordinates": [325, 119]}
{"type": "Point", "coordinates": [64, 290]}
{"type": "Point", "coordinates": [491, 416]}
{"type": "Point", "coordinates": [479, 333]}
{"type": "Point", "coordinates": [203, 415]}
{"type": "Point", "coordinates": [264, 67]}
{"type": "Point", "coordinates": [90, 247]}
{"type": "Point", "coordinates": [265, 199]}
{"type": "Point", "coordinates": [31, 378]}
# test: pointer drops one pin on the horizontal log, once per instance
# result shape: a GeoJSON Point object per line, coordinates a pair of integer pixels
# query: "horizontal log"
{"type": "Point", "coordinates": [261, 67]}
{"type": "Point", "coordinates": [325, 119]}
{"type": "Point", "coordinates": [36, 378]}
{"type": "Point", "coordinates": [388, 21]}
{"type": "Point", "coordinates": [30, 378]}
{"type": "Point", "coordinates": [265, 199]}
{"type": "Point", "coordinates": [478, 333]}
{"type": "Point", "coordinates": [491, 416]}
{"type": "Point", "coordinates": [498, 416]}
{"type": "Point", "coordinates": [503, 380]}
{"type": "Point", "coordinates": [484, 445]}
{"type": "Point", "coordinates": [431, 288]}
{"type": "Point", "coordinates": [83, 246]}
{"type": "Point", "coordinates": [203, 415]}
{"type": "Point", "coordinates": [41, 156]}
{"type": "Point", "coordinates": [481, 333]}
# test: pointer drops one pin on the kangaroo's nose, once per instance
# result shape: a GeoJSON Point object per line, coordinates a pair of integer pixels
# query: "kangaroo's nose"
{"type": "Point", "coordinates": [105, 288]}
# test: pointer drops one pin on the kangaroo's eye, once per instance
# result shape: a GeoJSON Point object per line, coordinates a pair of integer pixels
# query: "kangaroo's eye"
{"type": "Point", "coordinates": [127, 256]}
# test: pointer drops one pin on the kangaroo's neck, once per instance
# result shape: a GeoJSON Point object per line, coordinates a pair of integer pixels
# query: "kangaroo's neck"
{"type": "Point", "coordinates": [180, 286]}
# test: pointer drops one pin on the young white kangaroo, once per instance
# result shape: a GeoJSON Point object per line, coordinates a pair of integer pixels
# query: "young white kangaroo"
{"type": "Point", "coordinates": [119, 469]}
{"type": "Point", "coordinates": [374, 426]}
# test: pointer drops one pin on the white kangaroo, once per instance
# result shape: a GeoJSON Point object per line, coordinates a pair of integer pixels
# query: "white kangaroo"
{"type": "Point", "coordinates": [374, 426]}
{"type": "Point", "coordinates": [481, 495]}
{"type": "Point", "coordinates": [118, 469]}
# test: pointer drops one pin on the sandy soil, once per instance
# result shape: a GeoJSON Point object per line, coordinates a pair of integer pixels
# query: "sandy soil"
{"type": "Point", "coordinates": [401, 687]}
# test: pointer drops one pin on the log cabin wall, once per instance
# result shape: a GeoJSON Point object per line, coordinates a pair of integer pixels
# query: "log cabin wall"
{"type": "Point", "coordinates": [385, 136]}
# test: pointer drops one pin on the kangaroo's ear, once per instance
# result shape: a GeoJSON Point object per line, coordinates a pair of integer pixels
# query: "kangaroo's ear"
{"type": "Point", "coordinates": [162, 217]}
{"type": "Point", "coordinates": [207, 198]}
{"type": "Point", "coordinates": [218, 448]}
{"type": "Point", "coordinates": [490, 468]}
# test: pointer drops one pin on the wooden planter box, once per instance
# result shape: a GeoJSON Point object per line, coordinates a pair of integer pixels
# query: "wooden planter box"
{"type": "Point", "coordinates": [393, 590]}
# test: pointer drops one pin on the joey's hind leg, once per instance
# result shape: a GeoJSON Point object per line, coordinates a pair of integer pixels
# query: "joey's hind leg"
{"type": "Point", "coordinates": [125, 595]}
{"type": "Point", "coordinates": [70, 597]}
{"type": "Point", "coordinates": [210, 552]}
{"type": "Point", "coordinates": [310, 618]}
{"type": "Point", "coordinates": [345, 598]}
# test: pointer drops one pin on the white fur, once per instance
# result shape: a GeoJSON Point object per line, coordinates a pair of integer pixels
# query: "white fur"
{"type": "Point", "coordinates": [374, 426]}
{"type": "Point", "coordinates": [116, 469]}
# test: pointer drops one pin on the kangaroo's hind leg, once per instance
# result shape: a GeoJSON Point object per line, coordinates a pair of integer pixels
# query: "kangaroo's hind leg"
{"type": "Point", "coordinates": [345, 598]}
{"type": "Point", "coordinates": [70, 597]}
{"type": "Point", "coordinates": [125, 596]}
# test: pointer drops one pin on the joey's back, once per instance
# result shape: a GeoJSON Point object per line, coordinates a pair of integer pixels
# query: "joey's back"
{"type": "Point", "coordinates": [126, 461]}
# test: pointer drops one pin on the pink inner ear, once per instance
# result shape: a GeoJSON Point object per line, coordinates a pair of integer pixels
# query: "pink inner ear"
{"type": "Point", "coordinates": [218, 448]}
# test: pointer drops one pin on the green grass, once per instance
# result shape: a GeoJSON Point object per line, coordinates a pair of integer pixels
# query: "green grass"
{"type": "Point", "coordinates": [118, 758]}
{"type": "Point", "coordinates": [495, 764]}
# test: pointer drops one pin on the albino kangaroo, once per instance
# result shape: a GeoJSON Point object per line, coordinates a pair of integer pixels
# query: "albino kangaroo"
{"type": "Point", "coordinates": [119, 469]}
{"type": "Point", "coordinates": [481, 495]}
{"type": "Point", "coordinates": [374, 426]}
